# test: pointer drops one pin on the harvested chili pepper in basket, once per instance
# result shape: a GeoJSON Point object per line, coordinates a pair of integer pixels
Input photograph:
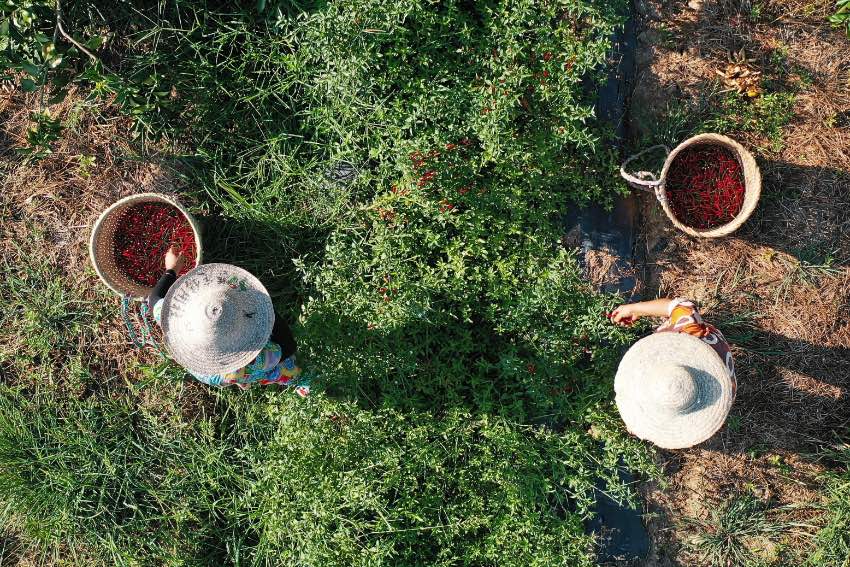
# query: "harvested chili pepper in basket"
{"type": "Point", "coordinates": [143, 234]}
{"type": "Point", "coordinates": [705, 186]}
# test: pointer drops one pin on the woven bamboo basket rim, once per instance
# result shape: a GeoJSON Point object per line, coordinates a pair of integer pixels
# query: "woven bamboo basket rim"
{"type": "Point", "coordinates": [647, 181]}
{"type": "Point", "coordinates": [101, 251]}
{"type": "Point", "coordinates": [752, 185]}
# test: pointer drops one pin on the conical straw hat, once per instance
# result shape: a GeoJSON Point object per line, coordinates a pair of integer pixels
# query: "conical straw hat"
{"type": "Point", "coordinates": [673, 390]}
{"type": "Point", "coordinates": [216, 319]}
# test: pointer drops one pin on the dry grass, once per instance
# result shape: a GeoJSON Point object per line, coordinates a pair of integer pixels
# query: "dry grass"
{"type": "Point", "coordinates": [779, 286]}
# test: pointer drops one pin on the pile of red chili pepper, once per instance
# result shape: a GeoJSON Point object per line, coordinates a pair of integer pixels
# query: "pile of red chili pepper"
{"type": "Point", "coordinates": [143, 234]}
{"type": "Point", "coordinates": [705, 186]}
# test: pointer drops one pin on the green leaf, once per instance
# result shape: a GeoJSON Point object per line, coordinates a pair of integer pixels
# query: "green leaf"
{"type": "Point", "coordinates": [95, 42]}
{"type": "Point", "coordinates": [28, 85]}
{"type": "Point", "coordinates": [31, 68]}
{"type": "Point", "coordinates": [58, 97]}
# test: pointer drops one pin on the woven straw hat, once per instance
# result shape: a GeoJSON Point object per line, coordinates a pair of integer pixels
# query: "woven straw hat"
{"type": "Point", "coordinates": [673, 390]}
{"type": "Point", "coordinates": [216, 319]}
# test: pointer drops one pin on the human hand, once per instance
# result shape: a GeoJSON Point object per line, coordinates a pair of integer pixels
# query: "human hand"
{"type": "Point", "coordinates": [625, 315]}
{"type": "Point", "coordinates": [174, 259]}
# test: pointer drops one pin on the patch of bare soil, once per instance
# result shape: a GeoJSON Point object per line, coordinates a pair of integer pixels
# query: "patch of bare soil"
{"type": "Point", "coordinates": [779, 288]}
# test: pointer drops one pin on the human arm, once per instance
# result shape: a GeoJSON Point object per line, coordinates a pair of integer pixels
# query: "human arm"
{"type": "Point", "coordinates": [174, 262]}
{"type": "Point", "coordinates": [631, 312]}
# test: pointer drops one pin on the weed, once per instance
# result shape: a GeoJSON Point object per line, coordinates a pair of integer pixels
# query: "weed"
{"type": "Point", "coordinates": [756, 11]}
{"type": "Point", "coordinates": [757, 450]}
{"type": "Point", "coordinates": [767, 115]}
{"type": "Point", "coordinates": [779, 57]}
{"type": "Point", "coordinates": [733, 531]}
{"type": "Point", "coordinates": [727, 113]}
{"type": "Point", "coordinates": [734, 423]}
{"type": "Point", "coordinates": [807, 78]}
{"type": "Point", "coordinates": [841, 17]}
{"type": "Point", "coordinates": [103, 480]}
{"type": "Point", "coordinates": [780, 463]}
{"type": "Point", "coordinates": [741, 329]}
{"type": "Point", "coordinates": [807, 266]}
{"type": "Point", "coordinates": [832, 543]}
{"type": "Point", "coordinates": [85, 164]}
{"type": "Point", "coordinates": [40, 135]}
{"type": "Point", "coordinates": [41, 314]}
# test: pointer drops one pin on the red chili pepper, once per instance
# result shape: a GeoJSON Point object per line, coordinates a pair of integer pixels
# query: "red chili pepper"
{"type": "Point", "coordinates": [143, 234]}
{"type": "Point", "coordinates": [628, 321]}
{"type": "Point", "coordinates": [705, 186]}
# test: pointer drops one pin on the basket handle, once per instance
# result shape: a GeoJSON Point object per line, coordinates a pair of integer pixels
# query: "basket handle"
{"type": "Point", "coordinates": [143, 336]}
{"type": "Point", "coordinates": [644, 180]}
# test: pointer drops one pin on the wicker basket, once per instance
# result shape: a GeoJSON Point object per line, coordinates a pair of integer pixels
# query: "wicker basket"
{"type": "Point", "coordinates": [752, 182]}
{"type": "Point", "coordinates": [101, 250]}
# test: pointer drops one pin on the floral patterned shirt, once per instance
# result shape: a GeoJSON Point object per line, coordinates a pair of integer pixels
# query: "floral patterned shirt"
{"type": "Point", "coordinates": [267, 368]}
{"type": "Point", "coordinates": [685, 318]}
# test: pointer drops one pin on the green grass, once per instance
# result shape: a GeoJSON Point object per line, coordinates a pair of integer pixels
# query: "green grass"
{"type": "Point", "coordinates": [742, 531]}
{"type": "Point", "coordinates": [44, 315]}
{"type": "Point", "coordinates": [730, 114]}
{"type": "Point", "coordinates": [832, 547]}
{"type": "Point", "coordinates": [101, 482]}
{"type": "Point", "coordinates": [742, 330]}
{"type": "Point", "coordinates": [277, 480]}
{"type": "Point", "coordinates": [808, 266]}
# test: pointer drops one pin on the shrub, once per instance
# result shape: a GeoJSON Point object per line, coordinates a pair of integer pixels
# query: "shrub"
{"type": "Point", "coordinates": [453, 291]}
{"type": "Point", "coordinates": [341, 486]}
{"type": "Point", "coordinates": [276, 99]}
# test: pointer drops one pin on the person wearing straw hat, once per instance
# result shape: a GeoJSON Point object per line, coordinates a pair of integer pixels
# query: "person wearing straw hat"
{"type": "Point", "coordinates": [219, 324]}
{"type": "Point", "coordinates": [676, 386]}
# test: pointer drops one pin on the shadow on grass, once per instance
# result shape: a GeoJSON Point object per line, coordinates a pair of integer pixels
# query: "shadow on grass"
{"type": "Point", "coordinates": [803, 212]}
{"type": "Point", "coordinates": [421, 366]}
{"type": "Point", "coordinates": [793, 392]}
{"type": "Point", "coordinates": [266, 250]}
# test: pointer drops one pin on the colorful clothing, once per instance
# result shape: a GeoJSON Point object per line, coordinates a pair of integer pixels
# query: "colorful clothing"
{"type": "Point", "coordinates": [684, 318]}
{"type": "Point", "coordinates": [267, 368]}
